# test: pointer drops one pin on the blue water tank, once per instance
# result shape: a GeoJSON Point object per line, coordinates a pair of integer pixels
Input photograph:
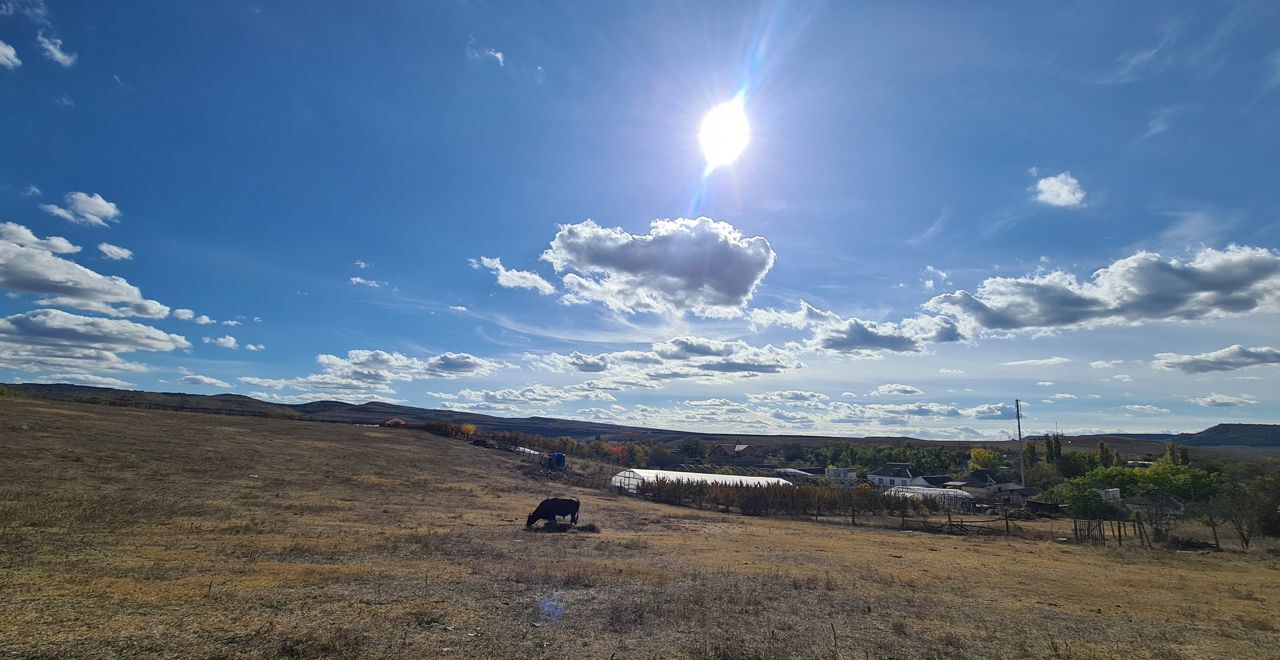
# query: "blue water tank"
{"type": "Point", "coordinates": [556, 461]}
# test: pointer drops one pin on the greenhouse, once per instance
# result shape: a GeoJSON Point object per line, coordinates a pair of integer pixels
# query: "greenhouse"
{"type": "Point", "coordinates": [950, 497]}
{"type": "Point", "coordinates": [628, 480]}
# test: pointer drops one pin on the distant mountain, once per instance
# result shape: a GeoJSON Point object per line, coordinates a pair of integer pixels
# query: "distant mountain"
{"type": "Point", "coordinates": [1243, 435]}
{"type": "Point", "coordinates": [1249, 435]}
{"type": "Point", "coordinates": [328, 411]}
{"type": "Point", "coordinates": [1150, 437]}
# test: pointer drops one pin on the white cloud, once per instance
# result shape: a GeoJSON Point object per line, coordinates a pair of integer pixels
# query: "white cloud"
{"type": "Point", "coordinates": [225, 341]}
{"type": "Point", "coordinates": [1060, 190]}
{"type": "Point", "coordinates": [1216, 400]}
{"type": "Point", "coordinates": [183, 314]}
{"type": "Point", "coordinates": [514, 279]}
{"type": "Point", "coordinates": [1120, 378]}
{"type": "Point", "coordinates": [896, 389]}
{"type": "Point", "coordinates": [360, 264]}
{"type": "Point", "coordinates": [1045, 383]}
{"type": "Point", "coordinates": [255, 347]}
{"type": "Point", "coordinates": [853, 336]}
{"type": "Point", "coordinates": [85, 209]}
{"type": "Point", "coordinates": [20, 235]}
{"type": "Point", "coordinates": [789, 397]}
{"type": "Point", "coordinates": [459, 308]}
{"type": "Point", "coordinates": [536, 395]}
{"type": "Point", "coordinates": [902, 413]}
{"type": "Point", "coordinates": [50, 339]}
{"type": "Point", "coordinates": [1062, 396]}
{"type": "Point", "coordinates": [701, 266]}
{"type": "Point", "coordinates": [867, 338]}
{"type": "Point", "coordinates": [485, 53]}
{"type": "Point", "coordinates": [1105, 364]}
{"type": "Point", "coordinates": [1225, 359]}
{"type": "Point", "coordinates": [208, 381]}
{"type": "Point", "coordinates": [231, 323]}
{"type": "Point", "coordinates": [203, 320]}
{"type": "Point", "coordinates": [364, 282]}
{"type": "Point", "coordinates": [793, 418]}
{"type": "Point", "coordinates": [53, 50]}
{"type": "Point", "coordinates": [369, 374]}
{"type": "Point", "coordinates": [9, 57]}
{"type": "Point", "coordinates": [711, 361]}
{"type": "Point", "coordinates": [934, 277]}
{"type": "Point", "coordinates": [1043, 362]}
{"type": "Point", "coordinates": [1133, 290]}
{"type": "Point", "coordinates": [32, 190]}
{"type": "Point", "coordinates": [950, 372]}
{"type": "Point", "coordinates": [115, 252]}
{"type": "Point", "coordinates": [27, 265]}
{"type": "Point", "coordinates": [1147, 409]}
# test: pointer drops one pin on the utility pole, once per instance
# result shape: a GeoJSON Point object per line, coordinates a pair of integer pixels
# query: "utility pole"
{"type": "Point", "coordinates": [1022, 448]}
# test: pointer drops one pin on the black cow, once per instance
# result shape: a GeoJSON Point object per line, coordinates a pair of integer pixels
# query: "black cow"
{"type": "Point", "coordinates": [552, 508]}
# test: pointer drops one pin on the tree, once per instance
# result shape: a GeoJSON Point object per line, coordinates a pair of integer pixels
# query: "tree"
{"type": "Point", "coordinates": [1030, 454]}
{"type": "Point", "coordinates": [1106, 456]}
{"type": "Point", "coordinates": [468, 431]}
{"type": "Point", "coordinates": [1081, 499]}
{"type": "Point", "coordinates": [1042, 476]}
{"type": "Point", "coordinates": [693, 447]}
{"type": "Point", "coordinates": [981, 458]}
{"type": "Point", "coordinates": [1074, 464]}
{"type": "Point", "coordinates": [1241, 506]}
{"type": "Point", "coordinates": [661, 457]}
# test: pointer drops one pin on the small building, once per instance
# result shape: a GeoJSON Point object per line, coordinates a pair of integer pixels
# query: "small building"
{"type": "Point", "coordinates": [627, 481]}
{"type": "Point", "coordinates": [1011, 494]}
{"type": "Point", "coordinates": [979, 483]}
{"type": "Point", "coordinates": [733, 455]}
{"type": "Point", "coordinates": [891, 475]}
{"type": "Point", "coordinates": [840, 473]}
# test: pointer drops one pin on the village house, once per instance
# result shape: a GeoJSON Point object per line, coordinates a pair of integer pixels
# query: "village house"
{"type": "Point", "coordinates": [986, 486]}
{"type": "Point", "coordinates": [733, 455]}
{"type": "Point", "coordinates": [904, 474]}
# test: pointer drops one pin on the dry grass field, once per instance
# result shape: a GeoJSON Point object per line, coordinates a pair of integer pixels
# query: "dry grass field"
{"type": "Point", "coordinates": [132, 533]}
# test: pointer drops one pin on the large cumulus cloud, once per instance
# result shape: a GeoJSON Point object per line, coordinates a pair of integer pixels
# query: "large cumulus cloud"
{"type": "Point", "coordinates": [1142, 287]}
{"type": "Point", "coordinates": [50, 339]}
{"type": "Point", "coordinates": [702, 266]}
{"type": "Point", "coordinates": [31, 265]}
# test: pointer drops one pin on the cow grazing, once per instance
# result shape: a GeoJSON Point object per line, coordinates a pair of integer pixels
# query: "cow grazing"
{"type": "Point", "coordinates": [552, 508]}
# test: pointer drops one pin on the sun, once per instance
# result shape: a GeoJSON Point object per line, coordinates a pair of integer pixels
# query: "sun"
{"type": "Point", "coordinates": [724, 133]}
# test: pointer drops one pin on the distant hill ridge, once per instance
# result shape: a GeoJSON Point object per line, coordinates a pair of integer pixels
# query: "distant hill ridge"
{"type": "Point", "coordinates": [1245, 435]}
{"type": "Point", "coordinates": [374, 412]}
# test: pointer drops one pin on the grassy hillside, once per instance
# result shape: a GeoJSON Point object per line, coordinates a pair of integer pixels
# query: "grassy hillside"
{"type": "Point", "coordinates": [1244, 435]}
{"type": "Point", "coordinates": [127, 532]}
{"type": "Point", "coordinates": [222, 404]}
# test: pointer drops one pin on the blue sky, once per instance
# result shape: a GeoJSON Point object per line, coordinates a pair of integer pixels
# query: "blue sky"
{"type": "Point", "coordinates": [504, 208]}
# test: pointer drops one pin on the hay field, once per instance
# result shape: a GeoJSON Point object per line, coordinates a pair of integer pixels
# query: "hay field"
{"type": "Point", "coordinates": [133, 533]}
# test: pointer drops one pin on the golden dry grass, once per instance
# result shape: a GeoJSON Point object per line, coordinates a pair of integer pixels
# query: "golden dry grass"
{"type": "Point", "coordinates": [156, 534]}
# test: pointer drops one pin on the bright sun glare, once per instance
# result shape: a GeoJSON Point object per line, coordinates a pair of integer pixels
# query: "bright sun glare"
{"type": "Point", "coordinates": [724, 133]}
